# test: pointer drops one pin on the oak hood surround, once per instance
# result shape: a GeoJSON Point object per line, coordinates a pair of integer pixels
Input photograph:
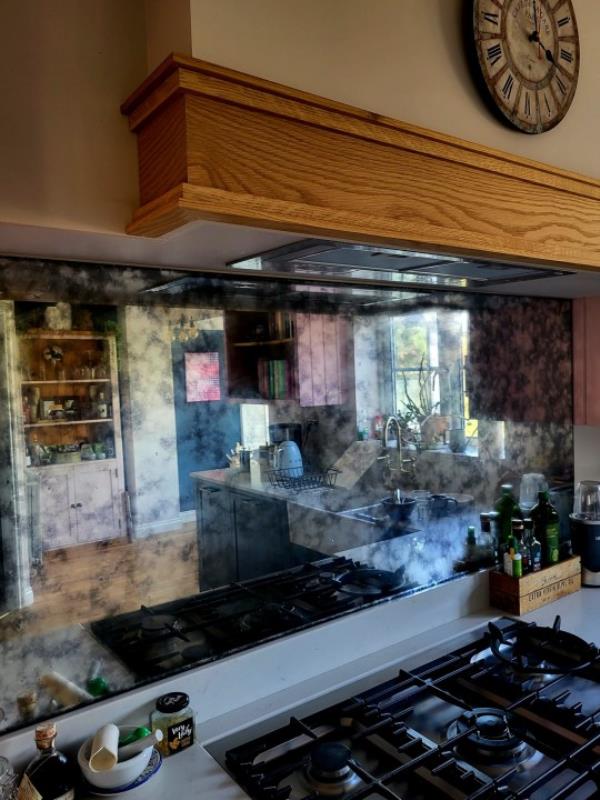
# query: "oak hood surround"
{"type": "Point", "coordinates": [222, 145]}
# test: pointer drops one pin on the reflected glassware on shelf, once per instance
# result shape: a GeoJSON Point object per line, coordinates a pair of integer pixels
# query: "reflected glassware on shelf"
{"type": "Point", "coordinates": [423, 498]}
{"type": "Point", "coordinates": [587, 500]}
{"type": "Point", "coordinates": [531, 484]}
{"type": "Point", "coordinates": [87, 452]}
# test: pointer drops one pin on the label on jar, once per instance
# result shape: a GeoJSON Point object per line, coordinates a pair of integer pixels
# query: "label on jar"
{"type": "Point", "coordinates": [180, 735]}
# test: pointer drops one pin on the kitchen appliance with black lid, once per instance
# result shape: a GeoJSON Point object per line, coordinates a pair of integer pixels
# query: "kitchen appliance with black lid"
{"type": "Point", "coordinates": [585, 530]}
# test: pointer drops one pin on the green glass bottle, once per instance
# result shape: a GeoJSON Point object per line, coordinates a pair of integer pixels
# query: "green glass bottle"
{"type": "Point", "coordinates": [546, 526]}
{"type": "Point", "coordinates": [527, 542]}
{"type": "Point", "coordinates": [508, 508]}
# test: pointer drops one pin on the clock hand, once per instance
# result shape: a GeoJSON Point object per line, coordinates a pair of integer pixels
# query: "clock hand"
{"type": "Point", "coordinates": [534, 37]}
{"type": "Point", "coordinates": [535, 34]}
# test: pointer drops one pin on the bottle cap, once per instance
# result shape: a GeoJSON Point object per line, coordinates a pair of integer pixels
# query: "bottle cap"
{"type": "Point", "coordinates": [506, 488]}
{"type": "Point", "coordinates": [98, 686]}
{"type": "Point", "coordinates": [45, 735]}
{"type": "Point", "coordinates": [172, 702]}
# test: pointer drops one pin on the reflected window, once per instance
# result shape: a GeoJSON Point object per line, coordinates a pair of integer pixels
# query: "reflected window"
{"type": "Point", "coordinates": [429, 356]}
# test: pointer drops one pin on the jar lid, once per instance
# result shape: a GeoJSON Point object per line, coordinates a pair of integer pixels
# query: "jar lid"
{"type": "Point", "coordinates": [174, 701]}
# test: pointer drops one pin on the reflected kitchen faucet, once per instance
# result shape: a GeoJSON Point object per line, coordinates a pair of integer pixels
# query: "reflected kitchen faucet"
{"type": "Point", "coordinates": [407, 465]}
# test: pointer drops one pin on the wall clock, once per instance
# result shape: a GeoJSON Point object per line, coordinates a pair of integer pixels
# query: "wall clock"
{"type": "Point", "coordinates": [527, 53]}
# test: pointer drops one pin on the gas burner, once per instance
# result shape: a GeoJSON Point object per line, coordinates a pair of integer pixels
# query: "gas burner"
{"type": "Point", "coordinates": [538, 650]}
{"type": "Point", "coordinates": [329, 771]}
{"type": "Point", "coordinates": [494, 738]}
{"type": "Point", "coordinates": [155, 625]}
{"type": "Point", "coordinates": [368, 582]}
{"type": "Point", "coordinates": [268, 619]}
{"type": "Point", "coordinates": [194, 653]}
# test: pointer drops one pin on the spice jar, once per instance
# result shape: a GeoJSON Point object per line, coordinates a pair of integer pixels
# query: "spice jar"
{"type": "Point", "coordinates": [175, 718]}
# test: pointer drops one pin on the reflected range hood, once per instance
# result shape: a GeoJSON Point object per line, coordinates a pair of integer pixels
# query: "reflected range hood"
{"type": "Point", "coordinates": [322, 259]}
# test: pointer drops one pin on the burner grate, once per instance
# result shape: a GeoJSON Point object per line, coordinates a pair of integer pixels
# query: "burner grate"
{"type": "Point", "coordinates": [436, 732]}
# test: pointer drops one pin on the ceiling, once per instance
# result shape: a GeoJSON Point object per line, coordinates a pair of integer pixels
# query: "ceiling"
{"type": "Point", "coordinates": [212, 245]}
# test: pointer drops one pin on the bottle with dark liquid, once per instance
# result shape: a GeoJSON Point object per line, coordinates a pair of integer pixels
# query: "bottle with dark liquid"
{"type": "Point", "coordinates": [546, 524]}
{"type": "Point", "coordinates": [526, 549]}
{"type": "Point", "coordinates": [508, 509]}
{"type": "Point", "coordinates": [50, 776]}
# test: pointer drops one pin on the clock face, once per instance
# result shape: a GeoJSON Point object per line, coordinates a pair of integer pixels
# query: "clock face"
{"type": "Point", "coordinates": [528, 55]}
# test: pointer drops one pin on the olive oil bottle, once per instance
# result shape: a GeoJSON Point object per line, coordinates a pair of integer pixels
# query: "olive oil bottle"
{"type": "Point", "coordinates": [546, 527]}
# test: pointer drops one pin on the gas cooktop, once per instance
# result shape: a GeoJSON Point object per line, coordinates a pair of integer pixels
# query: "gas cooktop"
{"type": "Point", "coordinates": [515, 714]}
{"type": "Point", "coordinates": [182, 633]}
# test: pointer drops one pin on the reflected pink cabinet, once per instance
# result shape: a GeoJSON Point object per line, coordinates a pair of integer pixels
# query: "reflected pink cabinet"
{"type": "Point", "coordinates": [586, 360]}
{"type": "Point", "coordinates": [322, 346]}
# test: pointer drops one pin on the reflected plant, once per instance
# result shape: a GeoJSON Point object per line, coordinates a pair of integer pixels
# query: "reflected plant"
{"type": "Point", "coordinates": [419, 408]}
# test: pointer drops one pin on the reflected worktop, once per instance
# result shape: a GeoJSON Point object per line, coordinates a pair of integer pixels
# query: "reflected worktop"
{"type": "Point", "coordinates": [319, 520]}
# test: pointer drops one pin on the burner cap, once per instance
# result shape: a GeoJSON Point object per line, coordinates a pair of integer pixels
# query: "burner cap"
{"type": "Point", "coordinates": [329, 757]}
{"type": "Point", "coordinates": [154, 624]}
{"type": "Point", "coordinates": [329, 770]}
{"type": "Point", "coordinates": [370, 582]}
{"type": "Point", "coordinates": [195, 652]}
{"type": "Point", "coordinates": [492, 726]}
{"type": "Point", "coordinates": [493, 735]}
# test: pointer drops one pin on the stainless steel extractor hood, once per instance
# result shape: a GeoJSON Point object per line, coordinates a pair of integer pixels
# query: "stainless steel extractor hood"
{"type": "Point", "coordinates": [322, 259]}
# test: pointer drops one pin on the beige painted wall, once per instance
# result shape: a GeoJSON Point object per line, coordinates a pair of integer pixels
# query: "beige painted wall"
{"type": "Point", "coordinates": [402, 58]}
{"type": "Point", "coordinates": [67, 158]}
{"type": "Point", "coordinates": [168, 29]}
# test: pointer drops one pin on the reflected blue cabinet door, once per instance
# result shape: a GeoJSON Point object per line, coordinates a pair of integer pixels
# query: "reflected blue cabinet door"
{"type": "Point", "coordinates": [217, 554]}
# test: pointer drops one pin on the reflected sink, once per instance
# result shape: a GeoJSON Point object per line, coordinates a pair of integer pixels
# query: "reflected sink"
{"type": "Point", "coordinates": [375, 514]}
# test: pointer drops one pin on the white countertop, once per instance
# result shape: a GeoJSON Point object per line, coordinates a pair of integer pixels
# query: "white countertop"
{"type": "Point", "coordinates": [195, 773]}
{"type": "Point", "coordinates": [265, 684]}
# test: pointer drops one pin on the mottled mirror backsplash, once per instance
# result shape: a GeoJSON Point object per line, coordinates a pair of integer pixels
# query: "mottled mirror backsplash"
{"type": "Point", "coordinates": [192, 465]}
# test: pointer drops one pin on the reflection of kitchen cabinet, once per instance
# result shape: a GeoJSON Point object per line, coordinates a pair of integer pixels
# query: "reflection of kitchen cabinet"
{"type": "Point", "coordinates": [281, 355]}
{"type": "Point", "coordinates": [98, 503]}
{"type": "Point", "coordinates": [56, 516]}
{"type": "Point", "coordinates": [262, 534]}
{"type": "Point", "coordinates": [79, 504]}
{"type": "Point", "coordinates": [240, 535]}
{"type": "Point", "coordinates": [322, 341]}
{"type": "Point", "coordinates": [72, 430]}
{"type": "Point", "coordinates": [216, 537]}
{"type": "Point", "coordinates": [260, 355]}
{"type": "Point", "coordinates": [586, 360]}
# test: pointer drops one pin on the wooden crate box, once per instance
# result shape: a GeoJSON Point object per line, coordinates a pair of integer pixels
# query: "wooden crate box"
{"type": "Point", "coordinates": [521, 595]}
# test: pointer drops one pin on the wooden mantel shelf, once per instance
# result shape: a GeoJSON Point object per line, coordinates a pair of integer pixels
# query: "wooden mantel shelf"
{"type": "Point", "coordinates": [221, 145]}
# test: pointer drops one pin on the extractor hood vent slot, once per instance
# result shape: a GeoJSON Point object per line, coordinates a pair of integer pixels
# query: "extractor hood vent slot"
{"type": "Point", "coordinates": [323, 259]}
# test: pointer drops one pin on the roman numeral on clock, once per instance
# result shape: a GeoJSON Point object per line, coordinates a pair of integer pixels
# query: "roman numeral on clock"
{"type": "Point", "coordinates": [508, 87]}
{"type": "Point", "coordinates": [563, 21]}
{"type": "Point", "coordinates": [566, 56]}
{"type": "Point", "coordinates": [494, 54]}
{"type": "Point", "coordinates": [490, 17]}
{"type": "Point", "coordinates": [561, 86]}
{"type": "Point", "coordinates": [527, 104]}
